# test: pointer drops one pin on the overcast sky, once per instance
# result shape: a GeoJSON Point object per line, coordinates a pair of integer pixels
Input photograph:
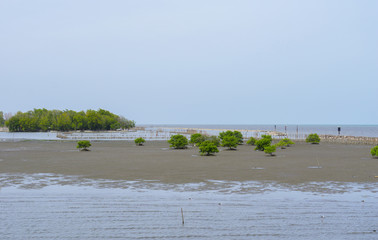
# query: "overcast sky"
{"type": "Point", "coordinates": [194, 61]}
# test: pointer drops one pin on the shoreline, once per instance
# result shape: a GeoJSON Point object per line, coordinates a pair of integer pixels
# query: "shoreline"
{"type": "Point", "coordinates": [164, 133]}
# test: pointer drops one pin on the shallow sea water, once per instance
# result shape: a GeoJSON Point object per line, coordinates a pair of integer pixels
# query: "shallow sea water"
{"type": "Point", "coordinates": [47, 206]}
{"type": "Point", "coordinates": [293, 131]}
{"type": "Point", "coordinates": [154, 132]}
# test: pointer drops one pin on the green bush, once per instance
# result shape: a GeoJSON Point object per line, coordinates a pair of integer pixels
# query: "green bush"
{"type": "Point", "coordinates": [313, 138]}
{"type": "Point", "coordinates": [226, 133]}
{"type": "Point", "coordinates": [270, 150]}
{"type": "Point", "coordinates": [230, 141]}
{"type": "Point", "coordinates": [207, 148]}
{"type": "Point", "coordinates": [213, 139]}
{"type": "Point", "coordinates": [251, 141]}
{"type": "Point", "coordinates": [139, 141]}
{"type": "Point", "coordinates": [286, 142]}
{"type": "Point", "coordinates": [374, 151]}
{"type": "Point", "coordinates": [178, 141]}
{"type": "Point", "coordinates": [83, 145]}
{"type": "Point", "coordinates": [237, 134]}
{"type": "Point", "coordinates": [196, 139]}
{"type": "Point", "coordinates": [2, 120]}
{"type": "Point", "coordinates": [267, 137]}
{"type": "Point", "coordinates": [265, 141]}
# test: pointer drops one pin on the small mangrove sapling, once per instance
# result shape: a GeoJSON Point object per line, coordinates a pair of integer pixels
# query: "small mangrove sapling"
{"type": "Point", "coordinates": [313, 138]}
{"type": "Point", "coordinates": [265, 141]}
{"type": "Point", "coordinates": [139, 141]}
{"type": "Point", "coordinates": [208, 148]}
{"type": "Point", "coordinates": [374, 152]}
{"type": "Point", "coordinates": [196, 139]}
{"type": "Point", "coordinates": [270, 150]}
{"type": "Point", "coordinates": [83, 145]}
{"type": "Point", "coordinates": [286, 142]}
{"type": "Point", "coordinates": [236, 134]}
{"type": "Point", "coordinates": [230, 141]}
{"type": "Point", "coordinates": [178, 141]}
{"type": "Point", "coordinates": [251, 141]}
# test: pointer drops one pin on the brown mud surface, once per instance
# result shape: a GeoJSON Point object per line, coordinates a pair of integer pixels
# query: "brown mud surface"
{"type": "Point", "coordinates": [123, 160]}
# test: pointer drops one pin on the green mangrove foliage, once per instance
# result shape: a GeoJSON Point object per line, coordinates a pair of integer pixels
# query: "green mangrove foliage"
{"type": "Point", "coordinates": [374, 151]}
{"type": "Point", "coordinates": [270, 150]}
{"type": "Point", "coordinates": [67, 120]}
{"type": "Point", "coordinates": [251, 141]}
{"type": "Point", "coordinates": [313, 138]}
{"type": "Point", "coordinates": [230, 141]}
{"type": "Point", "coordinates": [286, 142]}
{"type": "Point", "coordinates": [178, 141]}
{"type": "Point", "coordinates": [207, 147]}
{"type": "Point", "coordinates": [237, 134]}
{"type": "Point", "coordinates": [2, 120]}
{"type": "Point", "coordinates": [213, 139]}
{"type": "Point", "coordinates": [267, 137]}
{"type": "Point", "coordinates": [197, 138]}
{"type": "Point", "coordinates": [139, 141]}
{"type": "Point", "coordinates": [264, 142]}
{"type": "Point", "coordinates": [83, 145]}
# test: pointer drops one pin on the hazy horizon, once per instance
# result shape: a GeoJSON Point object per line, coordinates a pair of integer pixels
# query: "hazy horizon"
{"type": "Point", "coordinates": [194, 62]}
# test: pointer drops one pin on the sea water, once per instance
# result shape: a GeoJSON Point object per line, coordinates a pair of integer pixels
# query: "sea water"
{"type": "Point", "coordinates": [291, 129]}
{"type": "Point", "coordinates": [156, 132]}
{"type": "Point", "coordinates": [43, 206]}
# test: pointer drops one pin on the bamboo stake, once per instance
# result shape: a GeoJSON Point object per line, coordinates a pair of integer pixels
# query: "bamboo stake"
{"type": "Point", "coordinates": [317, 160]}
{"type": "Point", "coordinates": [182, 216]}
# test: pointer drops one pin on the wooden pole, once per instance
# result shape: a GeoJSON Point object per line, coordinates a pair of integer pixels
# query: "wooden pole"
{"type": "Point", "coordinates": [317, 160]}
{"type": "Point", "coordinates": [182, 216]}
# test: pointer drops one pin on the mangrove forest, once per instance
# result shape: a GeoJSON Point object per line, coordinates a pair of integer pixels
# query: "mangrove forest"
{"type": "Point", "coordinates": [43, 120]}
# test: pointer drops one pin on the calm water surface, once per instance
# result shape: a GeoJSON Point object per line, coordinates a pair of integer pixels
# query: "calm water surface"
{"type": "Point", "coordinates": [292, 130]}
{"type": "Point", "coordinates": [58, 207]}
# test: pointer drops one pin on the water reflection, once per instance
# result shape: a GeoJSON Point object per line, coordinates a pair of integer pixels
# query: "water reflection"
{"type": "Point", "coordinates": [48, 206]}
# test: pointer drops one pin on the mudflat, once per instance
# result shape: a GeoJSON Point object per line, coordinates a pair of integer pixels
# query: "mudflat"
{"type": "Point", "coordinates": [123, 160]}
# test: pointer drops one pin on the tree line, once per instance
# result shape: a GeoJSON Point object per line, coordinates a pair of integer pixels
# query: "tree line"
{"type": "Point", "coordinates": [43, 120]}
{"type": "Point", "coordinates": [2, 120]}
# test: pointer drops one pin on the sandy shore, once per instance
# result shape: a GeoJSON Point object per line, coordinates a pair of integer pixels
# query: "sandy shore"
{"type": "Point", "coordinates": [155, 161]}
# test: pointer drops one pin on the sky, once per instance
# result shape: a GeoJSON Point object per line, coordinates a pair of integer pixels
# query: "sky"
{"type": "Point", "coordinates": [193, 62]}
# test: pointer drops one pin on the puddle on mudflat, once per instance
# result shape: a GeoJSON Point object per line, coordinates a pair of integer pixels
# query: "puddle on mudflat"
{"type": "Point", "coordinates": [314, 167]}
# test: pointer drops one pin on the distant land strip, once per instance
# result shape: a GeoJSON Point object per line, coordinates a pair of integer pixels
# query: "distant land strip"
{"type": "Point", "coordinates": [349, 139]}
{"type": "Point", "coordinates": [164, 133]}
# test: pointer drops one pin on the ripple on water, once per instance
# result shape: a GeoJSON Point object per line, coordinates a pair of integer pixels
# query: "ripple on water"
{"type": "Point", "coordinates": [42, 180]}
{"type": "Point", "coordinates": [212, 210]}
